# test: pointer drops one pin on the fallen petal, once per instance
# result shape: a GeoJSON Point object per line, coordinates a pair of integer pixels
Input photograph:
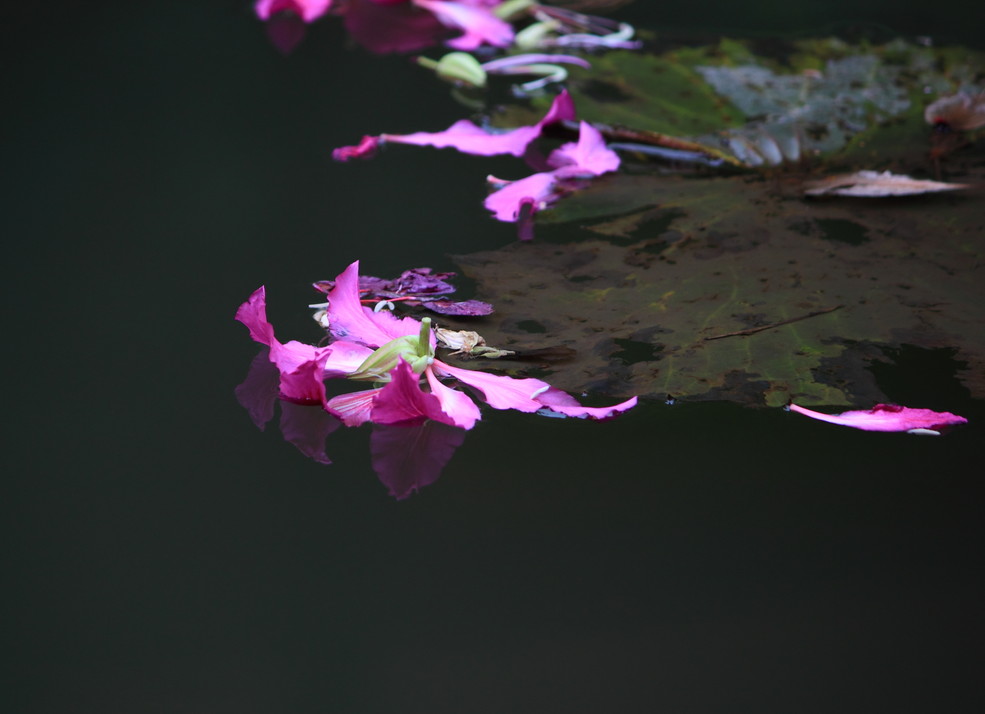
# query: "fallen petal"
{"type": "Point", "coordinates": [887, 417]}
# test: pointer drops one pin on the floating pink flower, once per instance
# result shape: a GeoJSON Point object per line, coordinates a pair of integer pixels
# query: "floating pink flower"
{"type": "Point", "coordinates": [467, 137]}
{"type": "Point", "coordinates": [888, 417]}
{"type": "Point", "coordinates": [573, 162]}
{"type": "Point", "coordinates": [399, 354]}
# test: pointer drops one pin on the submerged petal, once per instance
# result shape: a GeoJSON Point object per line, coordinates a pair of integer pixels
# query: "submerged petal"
{"type": "Point", "coordinates": [887, 417]}
{"type": "Point", "coordinates": [308, 10]}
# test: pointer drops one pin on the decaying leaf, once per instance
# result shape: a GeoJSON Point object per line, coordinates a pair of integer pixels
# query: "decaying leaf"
{"type": "Point", "coordinates": [876, 184]}
{"type": "Point", "coordinates": [468, 343]}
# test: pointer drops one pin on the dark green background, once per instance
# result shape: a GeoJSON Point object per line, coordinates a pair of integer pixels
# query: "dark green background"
{"type": "Point", "coordinates": [160, 554]}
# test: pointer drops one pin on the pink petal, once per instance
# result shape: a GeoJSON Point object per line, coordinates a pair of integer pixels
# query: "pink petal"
{"type": "Point", "coordinates": [287, 357]}
{"type": "Point", "coordinates": [402, 400]}
{"type": "Point", "coordinates": [538, 188]}
{"type": "Point", "coordinates": [588, 156]}
{"type": "Point", "coordinates": [479, 24]}
{"type": "Point", "coordinates": [471, 139]}
{"type": "Point", "coordinates": [564, 403]}
{"type": "Point", "coordinates": [500, 391]}
{"type": "Point", "coordinates": [309, 10]}
{"type": "Point", "coordinates": [345, 358]}
{"type": "Point", "coordinates": [354, 408]}
{"type": "Point", "coordinates": [887, 417]}
{"type": "Point", "coordinates": [458, 406]}
{"type": "Point", "coordinates": [304, 385]}
{"type": "Point", "coordinates": [350, 321]}
{"type": "Point", "coordinates": [364, 150]}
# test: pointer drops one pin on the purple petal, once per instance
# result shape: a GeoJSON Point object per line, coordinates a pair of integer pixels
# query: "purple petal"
{"type": "Point", "coordinates": [887, 417]}
{"type": "Point", "coordinates": [285, 31]}
{"type": "Point", "coordinates": [408, 458]}
{"type": "Point", "coordinates": [459, 407]}
{"type": "Point", "coordinates": [392, 27]}
{"type": "Point", "coordinates": [307, 427]}
{"type": "Point", "coordinates": [258, 392]}
{"type": "Point", "coordinates": [498, 65]}
{"type": "Point", "coordinates": [465, 307]}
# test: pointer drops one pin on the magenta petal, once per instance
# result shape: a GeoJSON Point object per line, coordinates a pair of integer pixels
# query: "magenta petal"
{"type": "Point", "coordinates": [307, 428]}
{"type": "Point", "coordinates": [459, 407]}
{"type": "Point", "coordinates": [500, 391]}
{"type": "Point", "coordinates": [350, 321]}
{"type": "Point", "coordinates": [287, 357]}
{"type": "Point", "coordinates": [538, 189]}
{"type": "Point", "coordinates": [479, 24]}
{"type": "Point", "coordinates": [887, 417]}
{"type": "Point", "coordinates": [383, 27]}
{"type": "Point", "coordinates": [563, 403]}
{"type": "Point", "coordinates": [354, 408]}
{"type": "Point", "coordinates": [345, 358]}
{"type": "Point", "coordinates": [309, 10]}
{"type": "Point", "coordinates": [408, 458]}
{"type": "Point", "coordinates": [306, 384]}
{"type": "Point", "coordinates": [588, 156]}
{"type": "Point", "coordinates": [365, 149]}
{"type": "Point", "coordinates": [401, 400]}
{"type": "Point", "coordinates": [471, 139]}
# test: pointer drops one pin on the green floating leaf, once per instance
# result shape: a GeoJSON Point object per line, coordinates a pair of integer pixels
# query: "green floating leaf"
{"type": "Point", "coordinates": [736, 288]}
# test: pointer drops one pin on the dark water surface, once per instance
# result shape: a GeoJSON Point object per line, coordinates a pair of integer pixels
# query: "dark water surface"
{"type": "Point", "coordinates": [163, 555]}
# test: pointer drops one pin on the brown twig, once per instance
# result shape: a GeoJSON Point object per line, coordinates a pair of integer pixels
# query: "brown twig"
{"type": "Point", "coordinates": [754, 330]}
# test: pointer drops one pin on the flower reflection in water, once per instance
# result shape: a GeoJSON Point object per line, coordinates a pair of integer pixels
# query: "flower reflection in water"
{"type": "Point", "coordinates": [405, 457]}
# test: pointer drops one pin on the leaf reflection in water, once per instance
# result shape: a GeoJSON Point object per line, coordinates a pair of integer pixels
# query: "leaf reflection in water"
{"type": "Point", "coordinates": [405, 457]}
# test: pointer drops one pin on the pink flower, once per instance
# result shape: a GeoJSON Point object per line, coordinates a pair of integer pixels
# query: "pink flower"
{"type": "Point", "coordinates": [467, 137]}
{"type": "Point", "coordinates": [307, 10]}
{"type": "Point", "coordinates": [888, 417]}
{"type": "Point", "coordinates": [573, 163]}
{"type": "Point", "coordinates": [399, 353]}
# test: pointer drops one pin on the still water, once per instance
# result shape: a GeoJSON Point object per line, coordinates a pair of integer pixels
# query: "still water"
{"type": "Point", "coordinates": [163, 555]}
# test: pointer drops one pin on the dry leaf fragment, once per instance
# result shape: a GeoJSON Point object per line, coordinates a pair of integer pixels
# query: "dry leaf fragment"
{"type": "Point", "coordinates": [874, 184]}
{"type": "Point", "coordinates": [468, 343]}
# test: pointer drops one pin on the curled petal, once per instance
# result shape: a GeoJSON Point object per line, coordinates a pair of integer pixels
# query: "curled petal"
{"type": "Point", "coordinates": [365, 149]}
{"type": "Point", "coordinates": [888, 417]}
{"type": "Point", "coordinates": [287, 357]}
{"type": "Point", "coordinates": [588, 155]}
{"type": "Point", "coordinates": [459, 408]}
{"type": "Point", "coordinates": [564, 403]}
{"type": "Point", "coordinates": [306, 384]}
